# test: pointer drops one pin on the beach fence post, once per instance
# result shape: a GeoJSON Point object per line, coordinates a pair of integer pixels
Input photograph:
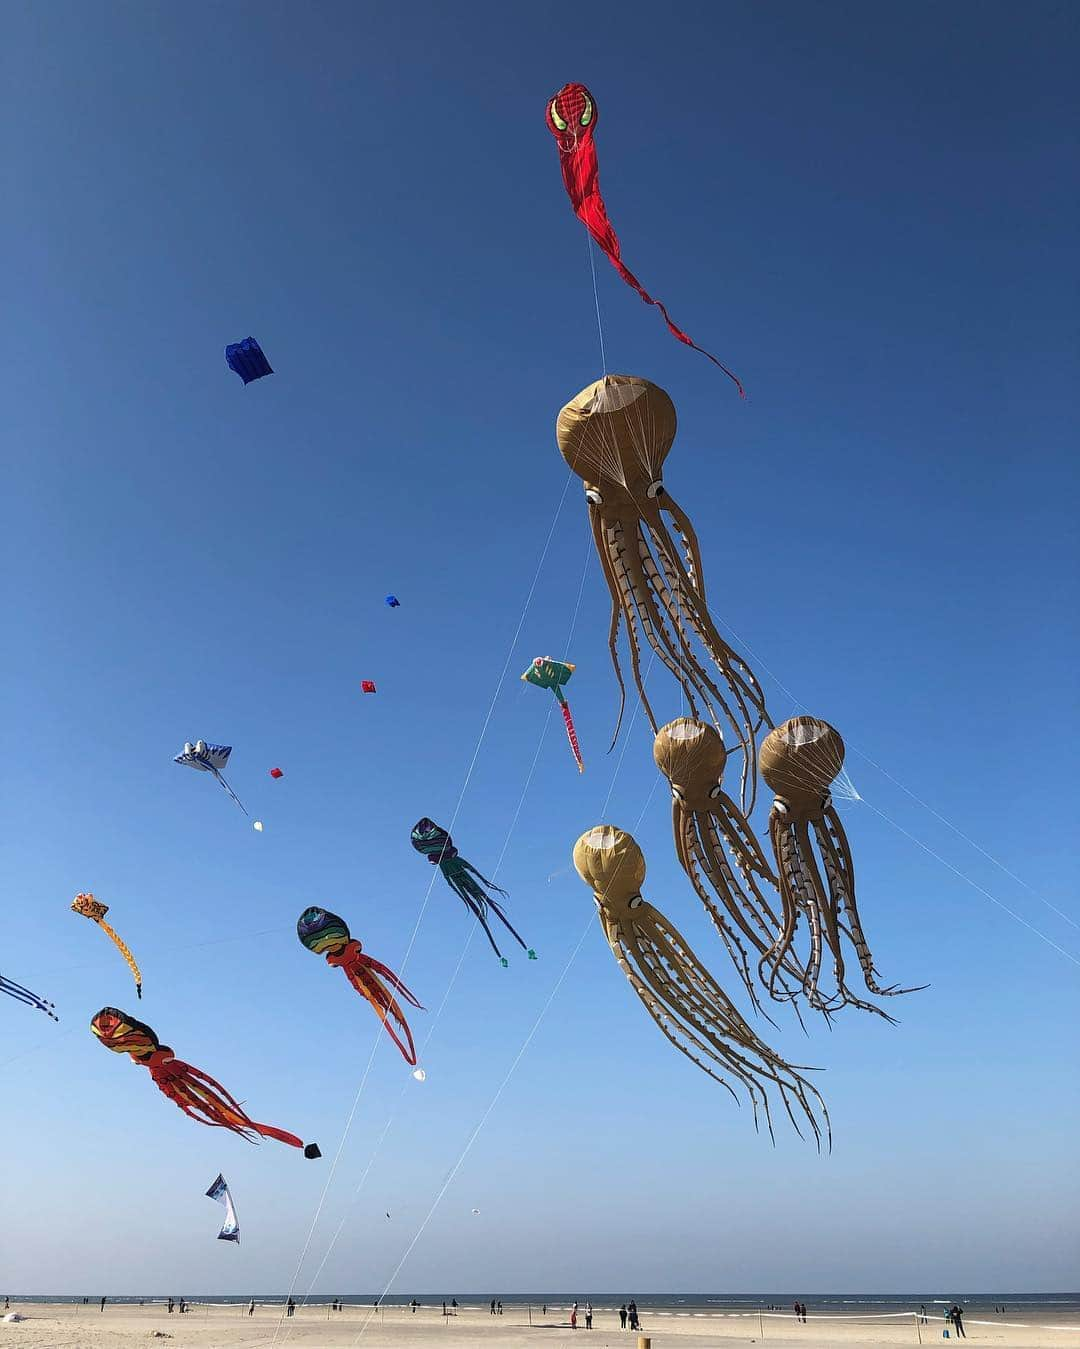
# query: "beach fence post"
{"type": "Point", "coordinates": [644, 1342]}
{"type": "Point", "coordinates": [918, 1332]}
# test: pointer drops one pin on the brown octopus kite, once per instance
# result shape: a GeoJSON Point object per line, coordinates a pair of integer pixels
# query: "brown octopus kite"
{"type": "Point", "coordinates": [679, 993]}
{"type": "Point", "coordinates": [799, 761]}
{"type": "Point", "coordinates": [615, 435]}
{"type": "Point", "coordinates": [715, 844]}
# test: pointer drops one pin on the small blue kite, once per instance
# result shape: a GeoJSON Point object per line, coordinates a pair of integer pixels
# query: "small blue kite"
{"type": "Point", "coordinates": [393, 602]}
{"type": "Point", "coordinates": [247, 360]}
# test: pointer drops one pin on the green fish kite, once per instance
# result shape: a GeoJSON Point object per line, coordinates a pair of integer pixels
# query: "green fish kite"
{"type": "Point", "coordinates": [546, 673]}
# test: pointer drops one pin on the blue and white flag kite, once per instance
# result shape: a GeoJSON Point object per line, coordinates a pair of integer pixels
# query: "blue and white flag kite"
{"type": "Point", "coordinates": [231, 1229]}
{"type": "Point", "coordinates": [208, 759]}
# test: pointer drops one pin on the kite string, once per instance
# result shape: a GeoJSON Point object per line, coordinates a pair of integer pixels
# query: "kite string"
{"type": "Point", "coordinates": [427, 896]}
{"type": "Point", "coordinates": [532, 1030]}
{"type": "Point", "coordinates": [970, 841]}
{"type": "Point", "coordinates": [591, 249]}
{"type": "Point", "coordinates": [530, 1036]}
{"type": "Point", "coordinates": [433, 1025]}
{"type": "Point", "coordinates": [957, 872]}
{"type": "Point", "coordinates": [798, 703]}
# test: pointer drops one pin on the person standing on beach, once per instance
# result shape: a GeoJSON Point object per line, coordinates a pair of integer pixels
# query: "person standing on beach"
{"type": "Point", "coordinates": [588, 1316]}
{"type": "Point", "coordinates": [251, 1307]}
{"type": "Point", "coordinates": [102, 1307]}
{"type": "Point", "coordinates": [956, 1316]}
{"type": "Point", "coordinates": [290, 1306]}
{"type": "Point", "coordinates": [573, 1317]}
{"type": "Point", "coordinates": [500, 1308]}
{"type": "Point", "coordinates": [493, 1306]}
{"type": "Point", "coordinates": [622, 1317]}
{"type": "Point", "coordinates": [635, 1324]}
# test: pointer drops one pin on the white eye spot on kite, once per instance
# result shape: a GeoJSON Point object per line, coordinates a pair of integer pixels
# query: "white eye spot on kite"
{"type": "Point", "coordinates": [257, 826]}
{"type": "Point", "coordinates": [419, 1074]}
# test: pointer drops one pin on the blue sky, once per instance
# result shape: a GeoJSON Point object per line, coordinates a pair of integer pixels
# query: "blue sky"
{"type": "Point", "coordinates": [868, 214]}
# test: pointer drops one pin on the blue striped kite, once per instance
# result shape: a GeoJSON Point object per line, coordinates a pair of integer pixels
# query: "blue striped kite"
{"type": "Point", "coordinates": [209, 759]}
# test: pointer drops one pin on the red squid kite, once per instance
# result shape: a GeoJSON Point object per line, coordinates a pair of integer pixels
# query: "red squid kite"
{"type": "Point", "coordinates": [571, 119]}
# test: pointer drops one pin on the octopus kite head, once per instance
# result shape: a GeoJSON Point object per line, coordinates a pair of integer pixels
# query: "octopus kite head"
{"type": "Point", "coordinates": [616, 435]}
{"type": "Point", "coordinates": [799, 761]}
{"type": "Point", "coordinates": [571, 115]}
{"type": "Point", "coordinates": [90, 907]}
{"type": "Point", "coordinates": [610, 863]}
{"type": "Point", "coordinates": [123, 1034]}
{"type": "Point", "coordinates": [433, 841]}
{"type": "Point", "coordinates": [322, 931]}
{"type": "Point", "coordinates": [691, 755]}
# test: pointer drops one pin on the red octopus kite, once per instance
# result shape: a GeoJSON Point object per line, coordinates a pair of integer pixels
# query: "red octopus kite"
{"type": "Point", "coordinates": [571, 118]}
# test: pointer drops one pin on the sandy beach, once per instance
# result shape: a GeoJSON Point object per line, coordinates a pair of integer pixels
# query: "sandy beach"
{"type": "Point", "coordinates": [64, 1326]}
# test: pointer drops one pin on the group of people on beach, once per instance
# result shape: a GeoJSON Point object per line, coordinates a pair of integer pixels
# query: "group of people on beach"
{"type": "Point", "coordinates": [800, 1311]}
{"type": "Point", "coordinates": [628, 1316]}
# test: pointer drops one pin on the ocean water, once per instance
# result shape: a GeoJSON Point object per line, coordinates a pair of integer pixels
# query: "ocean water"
{"type": "Point", "coordinates": [856, 1305]}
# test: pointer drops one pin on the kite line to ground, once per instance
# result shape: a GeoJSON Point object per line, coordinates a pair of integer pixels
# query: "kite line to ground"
{"type": "Point", "coordinates": [485, 1116]}
{"type": "Point", "coordinates": [855, 795]}
{"type": "Point", "coordinates": [403, 963]}
{"type": "Point", "coordinates": [471, 932]}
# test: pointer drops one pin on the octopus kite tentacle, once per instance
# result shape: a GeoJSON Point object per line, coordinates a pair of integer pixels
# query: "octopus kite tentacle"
{"type": "Point", "coordinates": [615, 435]}
{"type": "Point", "coordinates": [680, 994]}
{"type": "Point", "coordinates": [328, 935]}
{"type": "Point", "coordinates": [197, 1094]}
{"type": "Point", "coordinates": [713, 840]}
{"type": "Point", "coordinates": [799, 760]}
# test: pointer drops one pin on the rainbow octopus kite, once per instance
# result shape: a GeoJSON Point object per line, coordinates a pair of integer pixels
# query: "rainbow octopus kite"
{"type": "Point", "coordinates": [546, 673]}
{"type": "Point", "coordinates": [93, 908]}
{"type": "Point", "coordinates": [327, 934]}
{"type": "Point", "coordinates": [464, 879]}
{"type": "Point", "coordinates": [571, 119]}
{"type": "Point", "coordinates": [196, 1093]}
{"type": "Point", "coordinates": [20, 994]}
